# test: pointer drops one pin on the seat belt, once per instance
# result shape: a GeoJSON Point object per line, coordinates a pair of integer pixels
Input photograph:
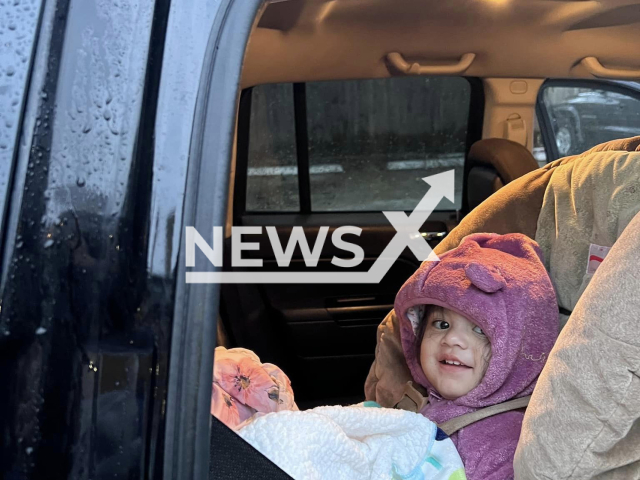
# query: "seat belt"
{"type": "Point", "coordinates": [452, 426]}
{"type": "Point", "coordinates": [516, 129]}
{"type": "Point", "coordinates": [414, 401]}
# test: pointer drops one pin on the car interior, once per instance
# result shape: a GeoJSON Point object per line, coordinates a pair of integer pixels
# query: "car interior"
{"type": "Point", "coordinates": [346, 105]}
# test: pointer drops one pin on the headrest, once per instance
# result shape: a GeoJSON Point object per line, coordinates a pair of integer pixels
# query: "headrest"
{"type": "Point", "coordinates": [491, 164]}
{"type": "Point", "coordinates": [510, 159]}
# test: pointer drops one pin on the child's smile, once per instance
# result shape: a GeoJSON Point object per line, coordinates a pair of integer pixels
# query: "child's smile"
{"type": "Point", "coordinates": [451, 363]}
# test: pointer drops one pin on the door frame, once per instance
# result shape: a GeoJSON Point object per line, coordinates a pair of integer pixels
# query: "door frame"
{"type": "Point", "coordinates": [187, 437]}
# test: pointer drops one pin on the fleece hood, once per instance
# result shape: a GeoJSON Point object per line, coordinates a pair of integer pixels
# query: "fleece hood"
{"type": "Point", "coordinates": [499, 283]}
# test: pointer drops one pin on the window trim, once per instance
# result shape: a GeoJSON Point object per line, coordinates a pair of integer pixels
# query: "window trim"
{"type": "Point", "coordinates": [542, 112]}
{"type": "Point", "coordinates": [302, 146]}
{"type": "Point", "coordinates": [475, 120]}
{"type": "Point", "coordinates": [242, 155]}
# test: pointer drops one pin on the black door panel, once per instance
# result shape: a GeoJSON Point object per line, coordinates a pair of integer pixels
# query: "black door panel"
{"type": "Point", "coordinates": [322, 335]}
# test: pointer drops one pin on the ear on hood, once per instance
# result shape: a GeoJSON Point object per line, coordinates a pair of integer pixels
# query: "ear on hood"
{"type": "Point", "coordinates": [485, 277]}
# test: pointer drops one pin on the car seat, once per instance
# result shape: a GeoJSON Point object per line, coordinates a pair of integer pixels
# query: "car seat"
{"type": "Point", "coordinates": [596, 194]}
{"type": "Point", "coordinates": [491, 164]}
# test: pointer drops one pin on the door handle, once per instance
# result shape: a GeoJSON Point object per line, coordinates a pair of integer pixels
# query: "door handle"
{"type": "Point", "coordinates": [353, 308]}
{"type": "Point", "coordinates": [359, 311]}
{"type": "Point", "coordinates": [431, 236]}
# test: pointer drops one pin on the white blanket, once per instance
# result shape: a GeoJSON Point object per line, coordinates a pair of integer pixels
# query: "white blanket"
{"type": "Point", "coordinates": [354, 443]}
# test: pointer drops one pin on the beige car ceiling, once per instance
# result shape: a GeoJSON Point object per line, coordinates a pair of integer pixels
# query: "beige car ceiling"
{"type": "Point", "coordinates": [306, 40]}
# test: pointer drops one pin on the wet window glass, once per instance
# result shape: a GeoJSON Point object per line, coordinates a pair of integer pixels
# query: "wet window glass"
{"type": "Point", "coordinates": [584, 117]}
{"type": "Point", "coordinates": [372, 141]}
{"type": "Point", "coordinates": [18, 30]}
{"type": "Point", "coordinates": [272, 183]}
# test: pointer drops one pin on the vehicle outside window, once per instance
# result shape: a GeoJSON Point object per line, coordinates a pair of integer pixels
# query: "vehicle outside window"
{"type": "Point", "coordinates": [581, 116]}
{"type": "Point", "coordinates": [367, 143]}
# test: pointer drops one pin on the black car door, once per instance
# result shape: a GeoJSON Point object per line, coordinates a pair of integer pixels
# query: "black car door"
{"type": "Point", "coordinates": [98, 117]}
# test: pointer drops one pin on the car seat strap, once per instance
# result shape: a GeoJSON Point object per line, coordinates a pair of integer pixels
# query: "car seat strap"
{"type": "Point", "coordinates": [451, 426]}
{"type": "Point", "coordinates": [412, 400]}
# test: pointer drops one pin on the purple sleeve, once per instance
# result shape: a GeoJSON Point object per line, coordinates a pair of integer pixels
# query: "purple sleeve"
{"type": "Point", "coordinates": [487, 447]}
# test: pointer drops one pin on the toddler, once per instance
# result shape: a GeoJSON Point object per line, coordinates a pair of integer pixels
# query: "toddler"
{"type": "Point", "coordinates": [476, 329]}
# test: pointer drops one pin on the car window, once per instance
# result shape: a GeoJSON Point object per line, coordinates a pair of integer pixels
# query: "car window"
{"type": "Point", "coordinates": [272, 176]}
{"type": "Point", "coordinates": [581, 117]}
{"type": "Point", "coordinates": [369, 143]}
{"type": "Point", "coordinates": [18, 29]}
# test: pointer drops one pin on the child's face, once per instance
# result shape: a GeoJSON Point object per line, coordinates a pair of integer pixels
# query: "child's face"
{"type": "Point", "coordinates": [450, 337]}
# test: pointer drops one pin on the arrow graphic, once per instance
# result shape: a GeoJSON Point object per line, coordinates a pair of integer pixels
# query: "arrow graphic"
{"type": "Point", "coordinates": [407, 235]}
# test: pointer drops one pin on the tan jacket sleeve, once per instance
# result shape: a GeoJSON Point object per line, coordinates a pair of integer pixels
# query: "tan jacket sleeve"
{"type": "Point", "coordinates": [389, 373]}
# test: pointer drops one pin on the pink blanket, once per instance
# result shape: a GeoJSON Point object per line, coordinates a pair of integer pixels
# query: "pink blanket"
{"type": "Point", "coordinates": [242, 386]}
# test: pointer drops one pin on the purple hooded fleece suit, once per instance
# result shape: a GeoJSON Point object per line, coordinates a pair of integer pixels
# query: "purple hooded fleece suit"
{"type": "Point", "coordinates": [499, 283]}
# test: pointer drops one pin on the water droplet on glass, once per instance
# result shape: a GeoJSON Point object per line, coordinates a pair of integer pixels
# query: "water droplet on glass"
{"type": "Point", "coordinates": [29, 450]}
{"type": "Point", "coordinates": [10, 71]}
{"type": "Point", "coordinates": [81, 182]}
{"type": "Point", "coordinates": [41, 330]}
{"type": "Point", "coordinates": [19, 244]}
{"type": "Point", "coordinates": [48, 243]}
{"type": "Point", "coordinates": [107, 115]}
